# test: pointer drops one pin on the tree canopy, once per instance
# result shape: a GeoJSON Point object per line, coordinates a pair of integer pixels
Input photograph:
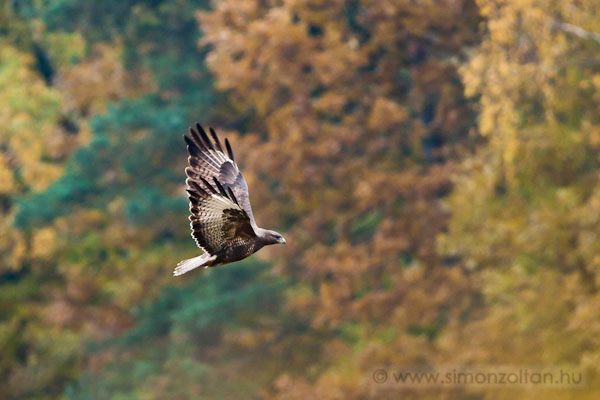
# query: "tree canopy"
{"type": "Point", "coordinates": [433, 166]}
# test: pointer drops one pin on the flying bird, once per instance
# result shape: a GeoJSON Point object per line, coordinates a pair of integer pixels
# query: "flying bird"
{"type": "Point", "coordinates": [221, 217]}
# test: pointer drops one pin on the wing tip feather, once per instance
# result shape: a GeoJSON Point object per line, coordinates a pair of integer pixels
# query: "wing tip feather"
{"type": "Point", "coordinates": [216, 139]}
{"type": "Point", "coordinates": [207, 142]}
{"type": "Point", "coordinates": [229, 151]}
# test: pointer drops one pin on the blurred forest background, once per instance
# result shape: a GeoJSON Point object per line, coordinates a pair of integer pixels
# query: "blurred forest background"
{"type": "Point", "coordinates": [433, 164]}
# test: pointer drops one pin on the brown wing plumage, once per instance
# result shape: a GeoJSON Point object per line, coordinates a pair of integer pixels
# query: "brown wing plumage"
{"type": "Point", "coordinates": [208, 160]}
{"type": "Point", "coordinates": [217, 220]}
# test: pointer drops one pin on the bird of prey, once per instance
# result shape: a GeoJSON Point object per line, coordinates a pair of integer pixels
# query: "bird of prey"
{"type": "Point", "coordinates": [221, 217]}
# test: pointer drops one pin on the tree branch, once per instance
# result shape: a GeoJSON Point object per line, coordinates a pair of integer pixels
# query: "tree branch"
{"type": "Point", "coordinates": [577, 31]}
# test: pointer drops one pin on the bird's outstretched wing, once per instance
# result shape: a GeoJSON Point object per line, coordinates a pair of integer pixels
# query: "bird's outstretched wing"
{"type": "Point", "coordinates": [208, 160]}
{"type": "Point", "coordinates": [217, 219]}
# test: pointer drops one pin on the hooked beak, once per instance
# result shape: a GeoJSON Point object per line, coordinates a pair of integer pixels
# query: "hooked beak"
{"type": "Point", "coordinates": [282, 240]}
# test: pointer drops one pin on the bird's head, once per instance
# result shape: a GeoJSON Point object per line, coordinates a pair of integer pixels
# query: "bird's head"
{"type": "Point", "coordinates": [272, 237]}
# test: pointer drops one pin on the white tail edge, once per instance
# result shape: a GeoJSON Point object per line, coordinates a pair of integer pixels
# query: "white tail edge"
{"type": "Point", "coordinates": [192, 263]}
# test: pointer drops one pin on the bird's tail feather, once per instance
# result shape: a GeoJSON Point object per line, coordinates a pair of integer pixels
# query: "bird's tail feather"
{"type": "Point", "coordinates": [192, 263]}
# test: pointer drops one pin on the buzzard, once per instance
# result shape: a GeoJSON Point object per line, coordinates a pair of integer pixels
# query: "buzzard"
{"type": "Point", "coordinates": [221, 217]}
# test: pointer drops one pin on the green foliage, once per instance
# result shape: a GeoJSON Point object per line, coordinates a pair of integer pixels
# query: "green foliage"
{"type": "Point", "coordinates": [119, 203]}
{"type": "Point", "coordinates": [137, 167]}
{"type": "Point", "coordinates": [182, 322]}
{"type": "Point", "coordinates": [364, 226]}
{"type": "Point", "coordinates": [159, 35]}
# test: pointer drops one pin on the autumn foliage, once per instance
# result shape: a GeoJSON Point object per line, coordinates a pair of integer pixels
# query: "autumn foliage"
{"type": "Point", "coordinates": [433, 166]}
